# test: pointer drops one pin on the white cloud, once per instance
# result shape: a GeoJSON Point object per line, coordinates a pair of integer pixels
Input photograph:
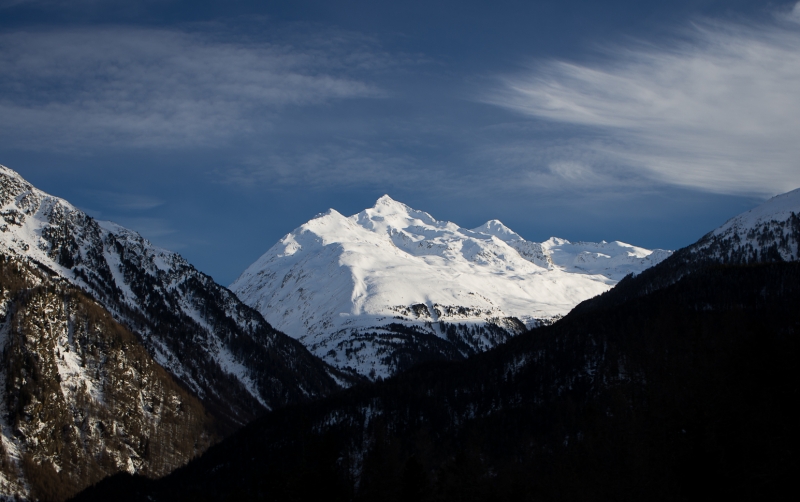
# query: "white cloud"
{"type": "Point", "coordinates": [147, 87]}
{"type": "Point", "coordinates": [795, 14]}
{"type": "Point", "coordinates": [720, 112]}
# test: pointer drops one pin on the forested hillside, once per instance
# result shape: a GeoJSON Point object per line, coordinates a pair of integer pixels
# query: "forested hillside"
{"type": "Point", "coordinates": [679, 394]}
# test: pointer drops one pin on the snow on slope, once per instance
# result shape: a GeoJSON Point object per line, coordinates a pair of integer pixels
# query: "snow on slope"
{"type": "Point", "coordinates": [341, 285]}
{"type": "Point", "coordinates": [80, 395]}
{"type": "Point", "coordinates": [214, 344]}
{"type": "Point", "coordinates": [769, 232]}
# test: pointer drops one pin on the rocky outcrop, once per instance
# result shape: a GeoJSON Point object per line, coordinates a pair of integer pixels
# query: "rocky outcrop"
{"type": "Point", "coordinates": [80, 397]}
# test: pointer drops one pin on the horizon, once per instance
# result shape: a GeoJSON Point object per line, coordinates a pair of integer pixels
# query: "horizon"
{"type": "Point", "coordinates": [214, 130]}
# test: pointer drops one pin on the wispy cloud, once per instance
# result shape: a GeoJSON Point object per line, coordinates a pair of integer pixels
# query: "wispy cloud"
{"type": "Point", "coordinates": [52, 4]}
{"type": "Point", "coordinates": [160, 88]}
{"type": "Point", "coordinates": [795, 13]}
{"type": "Point", "coordinates": [324, 166]}
{"type": "Point", "coordinates": [125, 201]}
{"type": "Point", "coordinates": [719, 110]}
{"type": "Point", "coordinates": [5, 4]}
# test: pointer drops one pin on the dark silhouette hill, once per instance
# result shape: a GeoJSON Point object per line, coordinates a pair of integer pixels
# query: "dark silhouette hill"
{"type": "Point", "coordinates": [681, 393]}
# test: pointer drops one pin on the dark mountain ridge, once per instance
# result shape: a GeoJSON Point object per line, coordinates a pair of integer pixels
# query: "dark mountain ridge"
{"type": "Point", "coordinates": [675, 394]}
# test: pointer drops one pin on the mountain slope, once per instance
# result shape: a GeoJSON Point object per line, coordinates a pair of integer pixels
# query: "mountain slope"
{"type": "Point", "coordinates": [769, 233]}
{"type": "Point", "coordinates": [391, 286]}
{"type": "Point", "coordinates": [80, 397]}
{"type": "Point", "coordinates": [221, 349]}
{"type": "Point", "coordinates": [679, 383]}
{"type": "Point", "coordinates": [676, 395]}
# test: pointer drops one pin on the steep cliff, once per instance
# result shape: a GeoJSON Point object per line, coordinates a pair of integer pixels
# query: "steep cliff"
{"type": "Point", "coordinates": [80, 397]}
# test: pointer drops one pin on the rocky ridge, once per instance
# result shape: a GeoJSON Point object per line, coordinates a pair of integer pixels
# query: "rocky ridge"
{"type": "Point", "coordinates": [218, 347]}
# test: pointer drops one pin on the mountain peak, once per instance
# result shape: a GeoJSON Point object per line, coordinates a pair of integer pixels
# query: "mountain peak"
{"type": "Point", "coordinates": [7, 171]}
{"type": "Point", "coordinates": [330, 213]}
{"type": "Point", "coordinates": [384, 199]}
{"type": "Point", "coordinates": [102, 257]}
{"type": "Point", "coordinates": [53, 244]}
{"type": "Point", "coordinates": [385, 202]}
{"type": "Point", "coordinates": [497, 229]}
{"type": "Point", "coordinates": [11, 176]}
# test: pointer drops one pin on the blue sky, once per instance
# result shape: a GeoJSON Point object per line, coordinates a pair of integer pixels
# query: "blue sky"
{"type": "Point", "coordinates": [214, 128]}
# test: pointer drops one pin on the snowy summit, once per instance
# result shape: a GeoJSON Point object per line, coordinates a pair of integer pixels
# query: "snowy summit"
{"type": "Point", "coordinates": [356, 290]}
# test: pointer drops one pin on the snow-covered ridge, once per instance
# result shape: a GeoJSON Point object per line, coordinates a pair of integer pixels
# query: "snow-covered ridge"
{"type": "Point", "coordinates": [198, 330]}
{"type": "Point", "coordinates": [779, 208]}
{"type": "Point", "coordinates": [336, 279]}
{"type": "Point", "coordinates": [769, 232]}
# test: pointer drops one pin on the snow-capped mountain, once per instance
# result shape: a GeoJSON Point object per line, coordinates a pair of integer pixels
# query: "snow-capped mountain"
{"type": "Point", "coordinates": [391, 286]}
{"type": "Point", "coordinates": [221, 349]}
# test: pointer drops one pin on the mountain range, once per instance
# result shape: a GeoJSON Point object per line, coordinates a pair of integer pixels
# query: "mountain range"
{"type": "Point", "coordinates": [391, 286]}
{"type": "Point", "coordinates": [677, 384]}
{"type": "Point", "coordinates": [121, 357]}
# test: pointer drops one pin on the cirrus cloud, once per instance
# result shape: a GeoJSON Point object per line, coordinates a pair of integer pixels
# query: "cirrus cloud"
{"type": "Point", "coordinates": [718, 111]}
{"type": "Point", "coordinates": [159, 88]}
